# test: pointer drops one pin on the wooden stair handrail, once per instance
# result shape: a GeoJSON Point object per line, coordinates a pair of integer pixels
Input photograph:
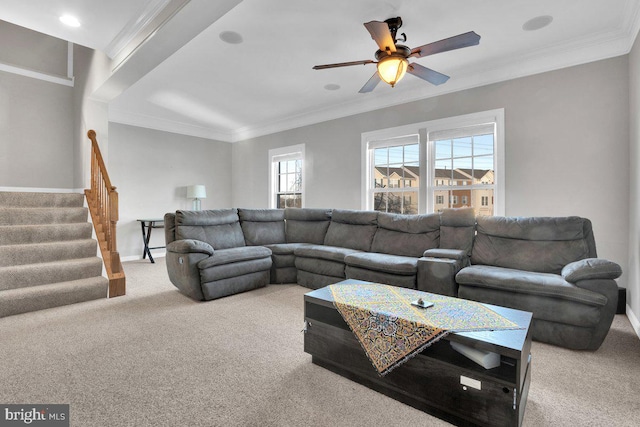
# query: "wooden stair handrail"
{"type": "Point", "coordinates": [102, 199]}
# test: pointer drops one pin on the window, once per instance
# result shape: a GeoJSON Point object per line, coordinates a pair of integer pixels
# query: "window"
{"type": "Point", "coordinates": [394, 175]}
{"type": "Point", "coordinates": [286, 177]}
{"type": "Point", "coordinates": [430, 166]}
{"type": "Point", "coordinates": [465, 156]}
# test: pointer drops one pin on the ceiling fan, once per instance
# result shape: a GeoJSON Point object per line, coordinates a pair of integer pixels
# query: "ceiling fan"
{"type": "Point", "coordinates": [392, 58]}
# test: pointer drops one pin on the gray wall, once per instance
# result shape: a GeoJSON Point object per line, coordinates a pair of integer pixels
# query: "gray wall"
{"type": "Point", "coordinates": [633, 284]}
{"type": "Point", "coordinates": [33, 50]}
{"type": "Point", "coordinates": [566, 143]}
{"type": "Point", "coordinates": [151, 170]}
{"type": "Point", "coordinates": [36, 133]}
{"type": "Point", "coordinates": [91, 68]}
{"type": "Point", "coordinates": [36, 116]}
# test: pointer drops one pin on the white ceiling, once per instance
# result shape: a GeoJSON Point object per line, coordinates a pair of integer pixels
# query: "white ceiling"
{"type": "Point", "coordinates": [266, 84]}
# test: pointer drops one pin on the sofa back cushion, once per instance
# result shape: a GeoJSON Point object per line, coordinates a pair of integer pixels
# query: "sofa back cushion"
{"type": "Point", "coordinates": [457, 229]}
{"type": "Point", "coordinates": [220, 228]}
{"type": "Point", "coordinates": [352, 229]}
{"type": "Point", "coordinates": [169, 227]}
{"type": "Point", "coordinates": [539, 244]}
{"type": "Point", "coordinates": [262, 226]}
{"type": "Point", "coordinates": [407, 235]}
{"type": "Point", "coordinates": [306, 225]}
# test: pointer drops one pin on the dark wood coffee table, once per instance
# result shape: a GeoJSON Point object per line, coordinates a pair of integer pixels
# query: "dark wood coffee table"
{"type": "Point", "coordinates": [439, 380]}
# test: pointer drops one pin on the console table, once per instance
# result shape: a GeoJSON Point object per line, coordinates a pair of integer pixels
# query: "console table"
{"type": "Point", "coordinates": [147, 225]}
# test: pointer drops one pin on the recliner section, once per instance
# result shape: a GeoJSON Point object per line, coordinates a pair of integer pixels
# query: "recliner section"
{"type": "Point", "coordinates": [207, 257]}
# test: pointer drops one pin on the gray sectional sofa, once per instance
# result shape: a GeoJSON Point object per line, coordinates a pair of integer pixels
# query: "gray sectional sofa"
{"type": "Point", "coordinates": [547, 266]}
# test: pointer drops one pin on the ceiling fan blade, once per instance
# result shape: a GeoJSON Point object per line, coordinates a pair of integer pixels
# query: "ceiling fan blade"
{"type": "Point", "coordinates": [455, 42]}
{"type": "Point", "coordinates": [343, 64]}
{"type": "Point", "coordinates": [380, 33]}
{"type": "Point", "coordinates": [427, 74]}
{"type": "Point", "coordinates": [371, 84]}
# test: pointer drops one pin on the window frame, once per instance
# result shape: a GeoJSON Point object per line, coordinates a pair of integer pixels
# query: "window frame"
{"type": "Point", "coordinates": [277, 155]}
{"type": "Point", "coordinates": [400, 187]}
{"type": "Point", "coordinates": [426, 194]}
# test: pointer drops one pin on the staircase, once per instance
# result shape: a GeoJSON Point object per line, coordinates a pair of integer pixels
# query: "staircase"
{"type": "Point", "coordinates": [47, 256]}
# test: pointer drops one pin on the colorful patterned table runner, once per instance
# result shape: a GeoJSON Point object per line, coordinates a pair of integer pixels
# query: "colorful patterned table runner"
{"type": "Point", "coordinates": [391, 330]}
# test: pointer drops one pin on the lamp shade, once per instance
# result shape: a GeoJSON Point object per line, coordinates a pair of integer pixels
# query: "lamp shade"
{"type": "Point", "coordinates": [196, 192]}
{"type": "Point", "coordinates": [392, 69]}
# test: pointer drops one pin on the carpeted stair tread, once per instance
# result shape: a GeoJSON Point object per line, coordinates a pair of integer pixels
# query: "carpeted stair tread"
{"type": "Point", "coordinates": [22, 300]}
{"type": "Point", "coordinates": [21, 276]}
{"type": "Point", "coordinates": [46, 252]}
{"type": "Point", "coordinates": [35, 200]}
{"type": "Point", "coordinates": [33, 216]}
{"type": "Point", "coordinates": [44, 233]}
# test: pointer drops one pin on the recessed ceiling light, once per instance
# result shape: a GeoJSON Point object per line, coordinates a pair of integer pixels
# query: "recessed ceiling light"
{"type": "Point", "coordinates": [231, 37]}
{"type": "Point", "coordinates": [69, 20]}
{"type": "Point", "coordinates": [332, 86]}
{"type": "Point", "coordinates": [537, 23]}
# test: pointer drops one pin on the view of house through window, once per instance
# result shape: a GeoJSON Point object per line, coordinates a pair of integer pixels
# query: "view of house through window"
{"type": "Point", "coordinates": [463, 168]}
{"type": "Point", "coordinates": [459, 158]}
{"type": "Point", "coordinates": [396, 177]}
{"type": "Point", "coordinates": [286, 177]}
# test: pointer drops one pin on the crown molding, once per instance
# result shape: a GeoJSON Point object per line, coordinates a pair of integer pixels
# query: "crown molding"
{"type": "Point", "coordinates": [151, 9]}
{"type": "Point", "coordinates": [631, 23]}
{"type": "Point", "coordinates": [150, 122]}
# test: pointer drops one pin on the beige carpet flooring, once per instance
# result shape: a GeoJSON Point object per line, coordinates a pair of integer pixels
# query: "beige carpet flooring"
{"type": "Point", "coordinates": [157, 358]}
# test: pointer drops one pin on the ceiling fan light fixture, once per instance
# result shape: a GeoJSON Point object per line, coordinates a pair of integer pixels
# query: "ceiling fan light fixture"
{"type": "Point", "coordinates": [392, 69]}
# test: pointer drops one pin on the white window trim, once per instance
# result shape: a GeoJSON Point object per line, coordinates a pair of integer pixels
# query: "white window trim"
{"type": "Point", "coordinates": [280, 154]}
{"type": "Point", "coordinates": [368, 139]}
{"type": "Point", "coordinates": [401, 140]}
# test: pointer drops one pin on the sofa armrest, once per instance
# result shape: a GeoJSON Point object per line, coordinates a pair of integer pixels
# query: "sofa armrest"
{"type": "Point", "coordinates": [591, 268]}
{"type": "Point", "coordinates": [457, 254]}
{"type": "Point", "coordinates": [188, 246]}
{"type": "Point", "coordinates": [184, 272]}
{"type": "Point", "coordinates": [438, 275]}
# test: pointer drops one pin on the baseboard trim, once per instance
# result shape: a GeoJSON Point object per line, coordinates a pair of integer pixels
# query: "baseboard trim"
{"type": "Point", "coordinates": [41, 190]}
{"type": "Point", "coordinates": [635, 324]}
{"type": "Point", "coordinates": [160, 254]}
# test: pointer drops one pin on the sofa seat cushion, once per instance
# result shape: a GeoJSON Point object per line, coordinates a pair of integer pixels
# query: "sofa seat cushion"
{"type": "Point", "coordinates": [282, 254]}
{"type": "Point", "coordinates": [285, 248]}
{"type": "Point", "coordinates": [527, 282]}
{"type": "Point", "coordinates": [329, 253]}
{"type": "Point", "coordinates": [321, 267]}
{"type": "Point", "coordinates": [252, 268]}
{"type": "Point", "coordinates": [235, 255]}
{"type": "Point", "coordinates": [395, 264]}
